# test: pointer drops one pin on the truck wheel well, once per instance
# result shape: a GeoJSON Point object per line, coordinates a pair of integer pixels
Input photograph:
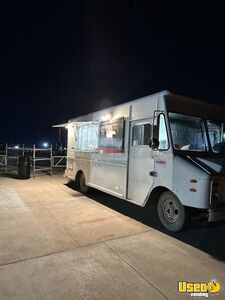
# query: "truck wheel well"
{"type": "Point", "coordinates": [155, 194]}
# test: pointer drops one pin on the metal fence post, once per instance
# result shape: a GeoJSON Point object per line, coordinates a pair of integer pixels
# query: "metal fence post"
{"type": "Point", "coordinates": [6, 158]}
{"type": "Point", "coordinates": [33, 160]}
{"type": "Point", "coordinates": [51, 162]}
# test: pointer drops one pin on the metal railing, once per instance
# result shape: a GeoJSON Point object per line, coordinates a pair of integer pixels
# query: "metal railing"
{"type": "Point", "coordinates": [42, 159]}
{"type": "Point", "coordinates": [59, 161]}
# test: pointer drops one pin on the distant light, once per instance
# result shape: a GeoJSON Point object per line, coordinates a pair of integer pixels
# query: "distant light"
{"type": "Point", "coordinates": [66, 126]}
{"type": "Point", "coordinates": [106, 117]}
{"type": "Point", "coordinates": [16, 147]}
{"type": "Point", "coordinates": [45, 145]}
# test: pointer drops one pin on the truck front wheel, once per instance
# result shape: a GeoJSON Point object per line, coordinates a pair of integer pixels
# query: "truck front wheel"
{"type": "Point", "coordinates": [173, 215]}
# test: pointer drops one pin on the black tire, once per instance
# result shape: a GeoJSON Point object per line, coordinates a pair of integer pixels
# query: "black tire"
{"type": "Point", "coordinates": [173, 215]}
{"type": "Point", "coordinates": [82, 184]}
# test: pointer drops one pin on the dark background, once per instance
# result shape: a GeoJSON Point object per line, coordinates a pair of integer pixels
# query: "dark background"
{"type": "Point", "coordinates": [62, 59]}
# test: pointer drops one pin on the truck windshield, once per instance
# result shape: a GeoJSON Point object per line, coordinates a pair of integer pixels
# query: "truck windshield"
{"type": "Point", "coordinates": [188, 133]}
{"type": "Point", "coordinates": [216, 131]}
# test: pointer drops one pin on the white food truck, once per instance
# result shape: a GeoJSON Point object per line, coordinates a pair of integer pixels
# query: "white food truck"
{"type": "Point", "coordinates": [164, 148]}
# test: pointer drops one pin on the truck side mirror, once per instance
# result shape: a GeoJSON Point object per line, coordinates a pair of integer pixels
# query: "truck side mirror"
{"type": "Point", "coordinates": [153, 143]}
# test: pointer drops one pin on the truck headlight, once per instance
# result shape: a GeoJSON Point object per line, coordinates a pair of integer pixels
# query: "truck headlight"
{"type": "Point", "coordinates": [215, 195]}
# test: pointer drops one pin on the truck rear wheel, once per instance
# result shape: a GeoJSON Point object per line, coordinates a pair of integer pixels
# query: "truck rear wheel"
{"type": "Point", "coordinates": [82, 184]}
{"type": "Point", "coordinates": [173, 215]}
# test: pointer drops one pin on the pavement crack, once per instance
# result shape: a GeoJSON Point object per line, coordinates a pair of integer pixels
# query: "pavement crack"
{"type": "Point", "coordinates": [62, 227]}
{"type": "Point", "coordinates": [35, 257]}
{"type": "Point", "coordinates": [141, 275]}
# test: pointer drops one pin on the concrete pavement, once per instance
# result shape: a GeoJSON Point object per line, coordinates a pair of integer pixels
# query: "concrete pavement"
{"type": "Point", "coordinates": [58, 244]}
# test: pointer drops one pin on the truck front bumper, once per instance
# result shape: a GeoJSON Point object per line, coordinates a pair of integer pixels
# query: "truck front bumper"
{"type": "Point", "coordinates": [216, 214]}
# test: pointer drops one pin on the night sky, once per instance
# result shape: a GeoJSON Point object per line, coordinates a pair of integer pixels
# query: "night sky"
{"type": "Point", "coordinates": [62, 59]}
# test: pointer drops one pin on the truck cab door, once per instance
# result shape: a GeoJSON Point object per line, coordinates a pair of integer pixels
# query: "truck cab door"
{"type": "Point", "coordinates": [141, 161]}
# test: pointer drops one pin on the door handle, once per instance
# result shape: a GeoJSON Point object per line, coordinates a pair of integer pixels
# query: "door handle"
{"type": "Point", "coordinates": [153, 173]}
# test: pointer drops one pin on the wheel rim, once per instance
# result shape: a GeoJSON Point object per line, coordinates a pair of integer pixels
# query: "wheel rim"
{"type": "Point", "coordinates": [171, 210]}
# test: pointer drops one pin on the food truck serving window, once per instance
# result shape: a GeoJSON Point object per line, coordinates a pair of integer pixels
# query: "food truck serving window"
{"type": "Point", "coordinates": [111, 139]}
{"type": "Point", "coordinates": [87, 136]}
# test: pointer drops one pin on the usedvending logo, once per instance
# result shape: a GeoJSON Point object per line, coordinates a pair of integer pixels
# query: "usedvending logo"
{"type": "Point", "coordinates": [199, 289]}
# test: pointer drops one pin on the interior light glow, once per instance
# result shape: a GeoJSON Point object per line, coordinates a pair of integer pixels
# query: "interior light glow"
{"type": "Point", "coordinates": [106, 117]}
